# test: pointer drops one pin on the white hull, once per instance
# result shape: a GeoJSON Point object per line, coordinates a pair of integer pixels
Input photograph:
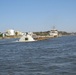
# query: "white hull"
{"type": "Point", "coordinates": [26, 38]}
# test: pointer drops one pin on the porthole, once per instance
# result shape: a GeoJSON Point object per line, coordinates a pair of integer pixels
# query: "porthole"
{"type": "Point", "coordinates": [26, 38]}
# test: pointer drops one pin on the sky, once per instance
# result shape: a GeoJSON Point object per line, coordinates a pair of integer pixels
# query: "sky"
{"type": "Point", "coordinates": [38, 15]}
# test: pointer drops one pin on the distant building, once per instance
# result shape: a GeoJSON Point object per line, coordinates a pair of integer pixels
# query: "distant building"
{"type": "Point", "coordinates": [18, 33]}
{"type": "Point", "coordinates": [10, 32]}
{"type": "Point", "coordinates": [32, 34]}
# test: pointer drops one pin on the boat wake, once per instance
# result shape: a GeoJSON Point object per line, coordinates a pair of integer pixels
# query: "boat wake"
{"type": "Point", "coordinates": [8, 43]}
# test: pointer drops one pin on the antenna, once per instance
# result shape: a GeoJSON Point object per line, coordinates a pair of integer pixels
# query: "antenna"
{"type": "Point", "coordinates": [53, 27]}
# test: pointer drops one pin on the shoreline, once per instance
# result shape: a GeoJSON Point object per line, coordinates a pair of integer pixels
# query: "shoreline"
{"type": "Point", "coordinates": [36, 38]}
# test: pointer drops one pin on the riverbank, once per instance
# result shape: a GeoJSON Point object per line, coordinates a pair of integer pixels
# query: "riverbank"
{"type": "Point", "coordinates": [36, 38]}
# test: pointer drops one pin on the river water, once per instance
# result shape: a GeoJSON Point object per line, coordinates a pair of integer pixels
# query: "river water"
{"type": "Point", "coordinates": [56, 56]}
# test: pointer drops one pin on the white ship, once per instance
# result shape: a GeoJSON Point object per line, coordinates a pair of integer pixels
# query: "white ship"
{"type": "Point", "coordinates": [54, 32]}
{"type": "Point", "coordinates": [26, 38]}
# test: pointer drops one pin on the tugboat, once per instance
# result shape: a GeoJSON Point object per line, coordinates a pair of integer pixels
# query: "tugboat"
{"type": "Point", "coordinates": [54, 32]}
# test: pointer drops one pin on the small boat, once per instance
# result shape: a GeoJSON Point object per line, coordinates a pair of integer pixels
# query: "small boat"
{"type": "Point", "coordinates": [26, 38]}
